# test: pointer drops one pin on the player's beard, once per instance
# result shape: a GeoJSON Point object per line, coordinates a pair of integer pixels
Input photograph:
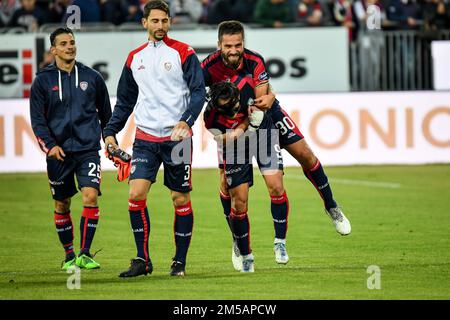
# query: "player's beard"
{"type": "Point", "coordinates": [232, 63]}
{"type": "Point", "coordinates": [159, 34]}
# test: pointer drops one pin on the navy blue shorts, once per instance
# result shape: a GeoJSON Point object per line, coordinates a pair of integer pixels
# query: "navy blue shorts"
{"type": "Point", "coordinates": [262, 145]}
{"type": "Point", "coordinates": [85, 166]}
{"type": "Point", "coordinates": [176, 157]}
{"type": "Point", "coordinates": [289, 132]}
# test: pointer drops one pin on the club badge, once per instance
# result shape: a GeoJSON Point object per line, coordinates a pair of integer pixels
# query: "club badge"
{"type": "Point", "coordinates": [83, 85]}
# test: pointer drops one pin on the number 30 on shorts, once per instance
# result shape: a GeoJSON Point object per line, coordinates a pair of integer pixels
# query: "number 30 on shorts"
{"type": "Point", "coordinates": [285, 125]}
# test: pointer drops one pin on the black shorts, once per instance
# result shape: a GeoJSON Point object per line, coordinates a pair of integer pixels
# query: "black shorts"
{"type": "Point", "coordinates": [262, 145]}
{"type": "Point", "coordinates": [289, 132]}
{"type": "Point", "coordinates": [176, 156]}
{"type": "Point", "coordinates": [61, 174]}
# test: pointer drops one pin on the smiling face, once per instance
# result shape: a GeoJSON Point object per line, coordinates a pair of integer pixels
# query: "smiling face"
{"type": "Point", "coordinates": [157, 24]}
{"type": "Point", "coordinates": [64, 47]}
{"type": "Point", "coordinates": [232, 49]}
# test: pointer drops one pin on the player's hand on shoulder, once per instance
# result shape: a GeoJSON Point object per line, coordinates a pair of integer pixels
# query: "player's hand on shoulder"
{"type": "Point", "coordinates": [181, 131]}
{"type": "Point", "coordinates": [56, 153]}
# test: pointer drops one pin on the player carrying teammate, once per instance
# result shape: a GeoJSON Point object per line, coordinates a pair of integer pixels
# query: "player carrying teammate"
{"type": "Point", "coordinates": [233, 62]}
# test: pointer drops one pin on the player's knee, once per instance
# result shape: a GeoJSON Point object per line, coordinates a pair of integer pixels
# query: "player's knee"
{"type": "Point", "coordinates": [137, 195]}
{"type": "Point", "coordinates": [62, 206]}
{"type": "Point", "coordinates": [180, 199]}
{"type": "Point", "coordinates": [223, 184]}
{"type": "Point", "coordinates": [90, 198]}
{"type": "Point", "coordinates": [274, 182]}
{"type": "Point", "coordinates": [224, 187]}
{"type": "Point", "coordinates": [240, 205]}
{"type": "Point", "coordinates": [306, 157]}
{"type": "Point", "coordinates": [276, 190]}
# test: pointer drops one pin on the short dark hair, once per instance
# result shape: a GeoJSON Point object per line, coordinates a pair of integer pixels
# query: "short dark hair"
{"type": "Point", "coordinates": [59, 31]}
{"type": "Point", "coordinates": [230, 27]}
{"type": "Point", "coordinates": [156, 5]}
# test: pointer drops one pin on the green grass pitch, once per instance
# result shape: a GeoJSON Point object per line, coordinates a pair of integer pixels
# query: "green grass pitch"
{"type": "Point", "coordinates": [400, 219]}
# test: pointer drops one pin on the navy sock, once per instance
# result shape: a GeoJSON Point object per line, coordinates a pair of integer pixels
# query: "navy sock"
{"type": "Point", "coordinates": [280, 211]}
{"type": "Point", "coordinates": [64, 228]}
{"type": "Point", "coordinates": [320, 181]}
{"type": "Point", "coordinates": [88, 226]}
{"type": "Point", "coordinates": [140, 224]}
{"type": "Point", "coordinates": [183, 225]}
{"type": "Point", "coordinates": [226, 205]}
{"type": "Point", "coordinates": [241, 230]}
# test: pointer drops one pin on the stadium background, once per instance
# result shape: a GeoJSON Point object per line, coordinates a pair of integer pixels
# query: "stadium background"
{"type": "Point", "coordinates": [370, 90]}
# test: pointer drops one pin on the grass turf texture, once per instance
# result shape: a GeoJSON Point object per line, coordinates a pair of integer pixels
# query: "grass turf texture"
{"type": "Point", "coordinates": [405, 231]}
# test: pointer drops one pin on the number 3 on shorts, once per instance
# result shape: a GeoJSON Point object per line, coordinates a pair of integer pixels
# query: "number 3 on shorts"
{"type": "Point", "coordinates": [188, 172]}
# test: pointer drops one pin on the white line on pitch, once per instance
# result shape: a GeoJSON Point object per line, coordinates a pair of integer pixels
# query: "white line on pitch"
{"type": "Point", "coordinates": [366, 183]}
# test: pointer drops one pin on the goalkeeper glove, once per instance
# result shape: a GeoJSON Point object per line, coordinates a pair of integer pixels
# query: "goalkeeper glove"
{"type": "Point", "coordinates": [122, 161]}
{"type": "Point", "coordinates": [255, 118]}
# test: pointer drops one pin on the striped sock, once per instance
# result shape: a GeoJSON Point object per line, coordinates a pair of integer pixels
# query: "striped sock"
{"type": "Point", "coordinates": [140, 225]}
{"type": "Point", "coordinates": [280, 212]}
{"type": "Point", "coordinates": [182, 228]}
{"type": "Point", "coordinates": [64, 228]}
{"type": "Point", "coordinates": [226, 205]}
{"type": "Point", "coordinates": [88, 226]}
{"type": "Point", "coordinates": [319, 179]}
{"type": "Point", "coordinates": [241, 230]}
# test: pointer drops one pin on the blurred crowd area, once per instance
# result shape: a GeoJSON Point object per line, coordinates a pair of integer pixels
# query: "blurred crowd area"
{"type": "Point", "coordinates": [427, 15]}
